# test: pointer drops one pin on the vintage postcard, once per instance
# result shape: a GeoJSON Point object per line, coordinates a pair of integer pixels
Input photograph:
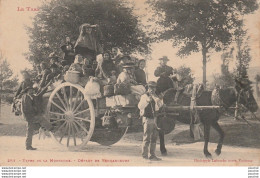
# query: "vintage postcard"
{"type": "Point", "coordinates": [129, 83]}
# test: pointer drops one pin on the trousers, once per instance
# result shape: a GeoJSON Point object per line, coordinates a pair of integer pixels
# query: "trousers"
{"type": "Point", "coordinates": [34, 125]}
{"type": "Point", "coordinates": [149, 137]}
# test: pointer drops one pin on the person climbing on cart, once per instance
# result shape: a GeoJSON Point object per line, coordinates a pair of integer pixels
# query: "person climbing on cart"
{"type": "Point", "coordinates": [31, 111]}
{"type": "Point", "coordinates": [149, 105]}
{"type": "Point", "coordinates": [27, 82]}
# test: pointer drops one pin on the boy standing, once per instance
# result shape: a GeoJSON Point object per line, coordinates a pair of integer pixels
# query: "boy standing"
{"type": "Point", "coordinates": [149, 106]}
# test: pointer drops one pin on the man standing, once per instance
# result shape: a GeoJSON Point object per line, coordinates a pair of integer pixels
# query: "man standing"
{"type": "Point", "coordinates": [149, 106]}
{"type": "Point", "coordinates": [163, 72]}
{"type": "Point", "coordinates": [24, 84]}
{"type": "Point", "coordinates": [31, 114]}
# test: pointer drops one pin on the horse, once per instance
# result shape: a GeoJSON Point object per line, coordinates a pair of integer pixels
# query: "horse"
{"type": "Point", "coordinates": [208, 117]}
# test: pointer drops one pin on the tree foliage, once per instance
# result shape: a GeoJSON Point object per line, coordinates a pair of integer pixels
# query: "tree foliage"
{"type": "Point", "coordinates": [243, 56]}
{"type": "Point", "coordinates": [61, 18]}
{"type": "Point", "coordinates": [186, 74]}
{"type": "Point", "coordinates": [201, 25]}
{"type": "Point", "coordinates": [6, 79]}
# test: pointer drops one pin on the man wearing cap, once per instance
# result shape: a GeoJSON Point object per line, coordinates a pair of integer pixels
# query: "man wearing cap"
{"type": "Point", "coordinates": [24, 84]}
{"type": "Point", "coordinates": [149, 106]}
{"type": "Point", "coordinates": [32, 114]}
{"type": "Point", "coordinates": [163, 72]}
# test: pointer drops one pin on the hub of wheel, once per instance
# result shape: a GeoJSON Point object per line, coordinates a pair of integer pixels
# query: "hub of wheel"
{"type": "Point", "coordinates": [69, 116]}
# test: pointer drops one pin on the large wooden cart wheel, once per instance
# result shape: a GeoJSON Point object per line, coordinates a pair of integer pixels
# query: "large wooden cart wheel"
{"type": "Point", "coordinates": [71, 114]}
{"type": "Point", "coordinates": [105, 136]}
{"type": "Point", "coordinates": [109, 137]}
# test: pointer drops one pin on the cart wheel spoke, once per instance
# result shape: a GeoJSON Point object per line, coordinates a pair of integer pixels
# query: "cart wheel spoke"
{"type": "Point", "coordinates": [83, 128]}
{"type": "Point", "coordinates": [56, 113]}
{"type": "Point", "coordinates": [73, 134]}
{"type": "Point", "coordinates": [57, 121]}
{"type": "Point", "coordinates": [62, 102]}
{"type": "Point", "coordinates": [76, 100]}
{"type": "Point", "coordinates": [55, 104]}
{"type": "Point", "coordinates": [63, 133]}
{"type": "Point", "coordinates": [82, 101]}
{"type": "Point", "coordinates": [65, 96]}
{"type": "Point", "coordinates": [78, 113]}
{"type": "Point", "coordinates": [68, 139]}
{"type": "Point", "coordinates": [79, 118]}
{"type": "Point", "coordinates": [76, 127]}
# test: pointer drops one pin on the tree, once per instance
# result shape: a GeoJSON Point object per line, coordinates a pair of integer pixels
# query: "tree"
{"type": "Point", "coordinates": [257, 81]}
{"type": "Point", "coordinates": [61, 18]}
{"type": "Point", "coordinates": [243, 51]}
{"type": "Point", "coordinates": [5, 71]}
{"type": "Point", "coordinates": [6, 80]}
{"type": "Point", "coordinates": [185, 73]}
{"type": "Point", "coordinates": [226, 78]}
{"type": "Point", "coordinates": [200, 25]}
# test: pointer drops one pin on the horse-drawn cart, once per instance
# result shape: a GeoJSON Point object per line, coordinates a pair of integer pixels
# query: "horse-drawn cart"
{"type": "Point", "coordinates": [76, 118]}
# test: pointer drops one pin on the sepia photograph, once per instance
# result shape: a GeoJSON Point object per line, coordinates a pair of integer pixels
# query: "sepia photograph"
{"type": "Point", "coordinates": [129, 83]}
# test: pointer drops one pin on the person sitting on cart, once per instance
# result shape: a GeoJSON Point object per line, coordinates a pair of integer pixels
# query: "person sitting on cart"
{"type": "Point", "coordinates": [116, 55]}
{"type": "Point", "coordinates": [108, 66]}
{"type": "Point", "coordinates": [44, 76]}
{"type": "Point", "coordinates": [31, 111]}
{"type": "Point", "coordinates": [163, 72]}
{"type": "Point", "coordinates": [55, 73]}
{"type": "Point", "coordinates": [123, 61]}
{"type": "Point", "coordinates": [87, 68]}
{"type": "Point", "coordinates": [68, 50]}
{"type": "Point", "coordinates": [77, 65]}
{"type": "Point", "coordinates": [128, 77]}
{"type": "Point", "coordinates": [140, 73]}
{"type": "Point", "coordinates": [105, 68]}
{"type": "Point", "coordinates": [149, 106]}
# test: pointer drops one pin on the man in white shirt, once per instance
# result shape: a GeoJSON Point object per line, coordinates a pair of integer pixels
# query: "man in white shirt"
{"type": "Point", "coordinates": [149, 106]}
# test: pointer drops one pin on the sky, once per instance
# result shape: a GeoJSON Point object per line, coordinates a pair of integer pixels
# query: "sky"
{"type": "Point", "coordinates": [14, 40]}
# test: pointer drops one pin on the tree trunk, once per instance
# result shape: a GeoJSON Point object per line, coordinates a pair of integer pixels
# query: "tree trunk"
{"type": "Point", "coordinates": [204, 61]}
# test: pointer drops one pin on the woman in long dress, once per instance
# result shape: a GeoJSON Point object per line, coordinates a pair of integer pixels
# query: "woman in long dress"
{"type": "Point", "coordinates": [88, 43]}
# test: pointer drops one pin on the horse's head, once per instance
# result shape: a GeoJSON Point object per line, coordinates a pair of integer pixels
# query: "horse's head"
{"type": "Point", "coordinates": [246, 97]}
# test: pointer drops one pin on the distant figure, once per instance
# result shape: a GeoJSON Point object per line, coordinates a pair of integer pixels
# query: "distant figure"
{"type": "Point", "coordinates": [88, 43]}
{"type": "Point", "coordinates": [68, 50]}
{"type": "Point", "coordinates": [163, 72]}
{"type": "Point", "coordinates": [139, 73]}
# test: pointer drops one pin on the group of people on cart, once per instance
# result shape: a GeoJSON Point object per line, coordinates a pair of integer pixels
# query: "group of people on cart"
{"type": "Point", "coordinates": [107, 70]}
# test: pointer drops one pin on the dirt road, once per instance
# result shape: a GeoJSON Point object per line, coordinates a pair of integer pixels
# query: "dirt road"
{"type": "Point", "coordinates": [241, 147]}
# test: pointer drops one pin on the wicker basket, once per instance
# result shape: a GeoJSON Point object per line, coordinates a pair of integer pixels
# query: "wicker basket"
{"type": "Point", "coordinates": [72, 76]}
